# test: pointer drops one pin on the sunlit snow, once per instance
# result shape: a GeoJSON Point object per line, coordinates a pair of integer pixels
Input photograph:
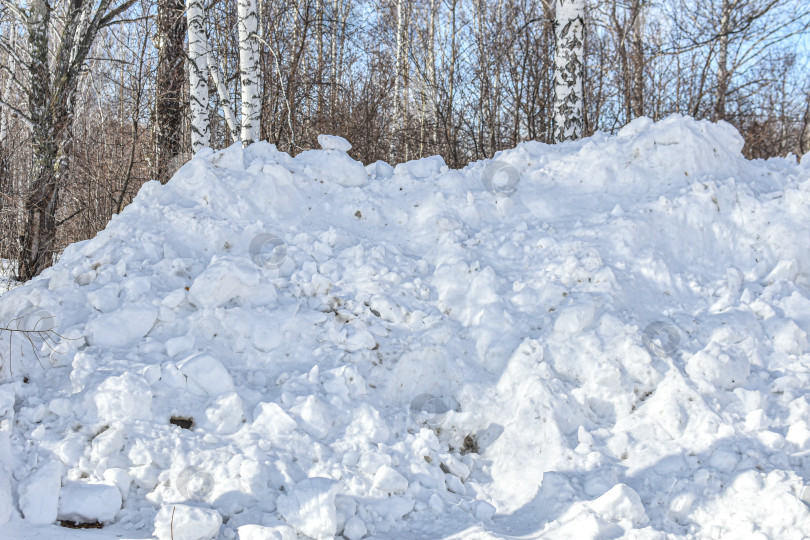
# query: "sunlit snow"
{"type": "Point", "coordinates": [594, 339]}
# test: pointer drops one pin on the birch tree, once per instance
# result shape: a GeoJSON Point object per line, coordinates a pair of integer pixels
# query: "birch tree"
{"type": "Point", "coordinates": [247, 24]}
{"type": "Point", "coordinates": [723, 72]}
{"type": "Point", "coordinates": [569, 22]}
{"type": "Point", "coordinates": [5, 97]}
{"type": "Point", "coordinates": [399, 56]}
{"type": "Point", "coordinates": [224, 98]}
{"type": "Point", "coordinates": [53, 67]}
{"type": "Point", "coordinates": [198, 76]}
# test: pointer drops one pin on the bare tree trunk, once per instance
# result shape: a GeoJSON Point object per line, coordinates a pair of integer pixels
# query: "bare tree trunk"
{"type": "Point", "coordinates": [479, 135]}
{"type": "Point", "coordinates": [248, 23]}
{"type": "Point", "coordinates": [397, 118]}
{"type": "Point", "coordinates": [637, 58]}
{"type": "Point", "coordinates": [320, 14]}
{"type": "Point", "coordinates": [224, 99]}
{"type": "Point", "coordinates": [198, 76]}
{"type": "Point", "coordinates": [51, 106]}
{"type": "Point", "coordinates": [804, 138]}
{"type": "Point", "coordinates": [568, 60]}
{"type": "Point", "coordinates": [39, 234]}
{"type": "Point", "coordinates": [434, 138]}
{"type": "Point", "coordinates": [342, 48]}
{"type": "Point", "coordinates": [723, 75]}
{"type": "Point", "coordinates": [171, 29]}
{"type": "Point", "coordinates": [546, 123]}
{"type": "Point", "coordinates": [5, 165]}
{"type": "Point", "coordinates": [627, 27]}
{"type": "Point", "coordinates": [333, 61]}
{"type": "Point", "coordinates": [449, 118]}
{"type": "Point", "coordinates": [406, 83]}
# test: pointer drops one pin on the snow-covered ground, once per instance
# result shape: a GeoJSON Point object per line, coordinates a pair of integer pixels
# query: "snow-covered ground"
{"type": "Point", "coordinates": [589, 340]}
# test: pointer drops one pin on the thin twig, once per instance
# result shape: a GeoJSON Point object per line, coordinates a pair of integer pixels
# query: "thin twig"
{"type": "Point", "coordinates": [17, 113]}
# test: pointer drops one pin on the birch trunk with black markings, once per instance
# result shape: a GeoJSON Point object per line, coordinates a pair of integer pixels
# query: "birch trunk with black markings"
{"type": "Point", "coordinates": [568, 69]}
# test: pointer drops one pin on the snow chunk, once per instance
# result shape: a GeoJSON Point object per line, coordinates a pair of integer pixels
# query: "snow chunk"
{"type": "Point", "coordinates": [785, 270]}
{"type": "Point", "coordinates": [316, 417]}
{"type": "Point", "coordinates": [232, 158]}
{"type": "Point", "coordinates": [206, 375]}
{"type": "Point", "coordinates": [7, 398]}
{"type": "Point", "coordinates": [7, 461]}
{"type": "Point", "coordinates": [6, 502]}
{"type": "Point", "coordinates": [367, 424]}
{"type": "Point", "coordinates": [87, 503]}
{"type": "Point", "coordinates": [574, 319]}
{"type": "Point", "coordinates": [39, 494]}
{"type": "Point", "coordinates": [799, 434]}
{"type": "Point", "coordinates": [175, 346]}
{"type": "Point", "coordinates": [380, 170]}
{"type": "Point", "coordinates": [789, 338]}
{"type": "Point", "coordinates": [360, 339]}
{"type": "Point", "coordinates": [183, 522]}
{"type": "Point", "coordinates": [271, 421]}
{"type": "Point", "coordinates": [104, 299]}
{"type": "Point", "coordinates": [332, 166]}
{"type": "Point", "coordinates": [422, 168]}
{"type": "Point", "coordinates": [225, 280]}
{"type": "Point", "coordinates": [310, 507]}
{"type": "Point", "coordinates": [621, 502]}
{"type": "Point", "coordinates": [195, 172]}
{"type": "Point", "coordinates": [455, 485]}
{"type": "Point", "coordinates": [393, 509]}
{"type": "Point", "coordinates": [455, 466]}
{"type": "Point", "coordinates": [120, 477]}
{"type": "Point", "coordinates": [389, 481]}
{"type": "Point", "coordinates": [642, 123]}
{"type": "Point", "coordinates": [333, 142]}
{"type": "Point", "coordinates": [260, 532]}
{"type": "Point", "coordinates": [355, 528]}
{"type": "Point", "coordinates": [122, 328]}
{"type": "Point", "coordinates": [717, 368]}
{"type": "Point", "coordinates": [484, 511]}
{"type": "Point", "coordinates": [125, 397]}
{"type": "Point", "coordinates": [225, 415]}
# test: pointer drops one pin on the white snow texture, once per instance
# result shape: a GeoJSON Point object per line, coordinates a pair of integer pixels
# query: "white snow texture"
{"type": "Point", "coordinates": [616, 345]}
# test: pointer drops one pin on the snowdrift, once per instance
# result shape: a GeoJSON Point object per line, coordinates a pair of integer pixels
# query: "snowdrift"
{"type": "Point", "coordinates": [588, 340]}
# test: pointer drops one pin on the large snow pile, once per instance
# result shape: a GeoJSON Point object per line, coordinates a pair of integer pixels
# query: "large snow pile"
{"type": "Point", "coordinates": [593, 339]}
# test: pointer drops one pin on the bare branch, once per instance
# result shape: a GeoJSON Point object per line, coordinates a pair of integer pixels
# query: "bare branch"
{"type": "Point", "coordinates": [9, 49]}
{"type": "Point", "coordinates": [109, 18]}
{"type": "Point", "coordinates": [15, 9]}
{"type": "Point", "coordinates": [17, 113]}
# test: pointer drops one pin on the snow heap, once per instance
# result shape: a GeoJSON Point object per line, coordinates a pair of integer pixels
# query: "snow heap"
{"type": "Point", "coordinates": [592, 339]}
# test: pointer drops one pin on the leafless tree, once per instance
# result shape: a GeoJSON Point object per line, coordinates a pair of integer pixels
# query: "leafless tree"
{"type": "Point", "coordinates": [52, 83]}
{"type": "Point", "coordinates": [569, 25]}
{"type": "Point", "coordinates": [170, 99]}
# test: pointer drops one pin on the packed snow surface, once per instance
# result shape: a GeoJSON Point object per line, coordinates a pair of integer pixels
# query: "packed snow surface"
{"type": "Point", "coordinates": [595, 339]}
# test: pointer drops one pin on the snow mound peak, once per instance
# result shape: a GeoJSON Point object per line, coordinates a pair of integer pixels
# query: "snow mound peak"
{"type": "Point", "coordinates": [333, 142]}
{"type": "Point", "coordinates": [599, 338]}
